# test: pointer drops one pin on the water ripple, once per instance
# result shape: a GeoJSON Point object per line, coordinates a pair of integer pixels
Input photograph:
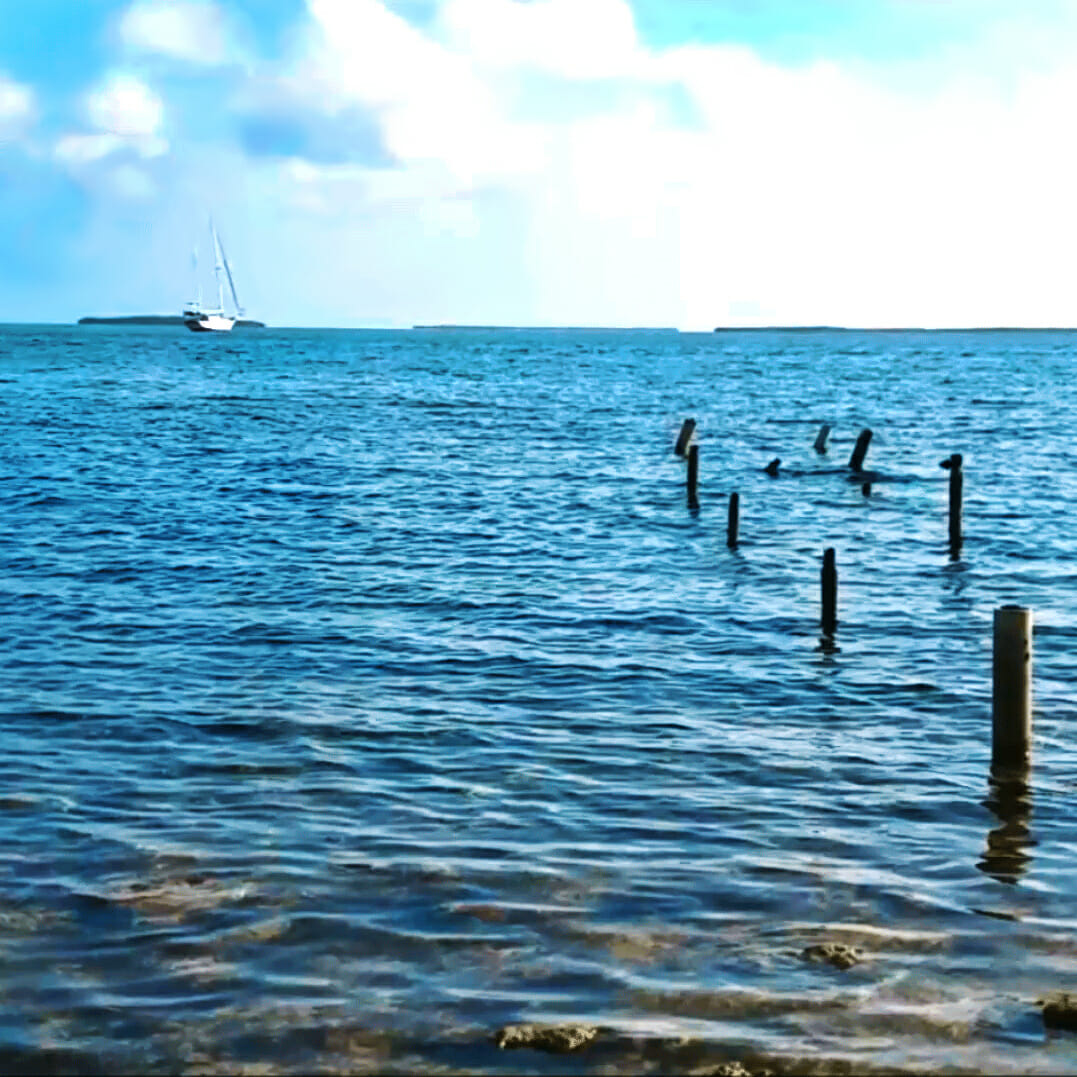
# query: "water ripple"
{"type": "Point", "coordinates": [365, 692]}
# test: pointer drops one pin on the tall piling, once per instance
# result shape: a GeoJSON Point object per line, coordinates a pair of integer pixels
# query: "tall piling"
{"type": "Point", "coordinates": [1011, 696]}
{"type": "Point", "coordinates": [856, 461]}
{"type": "Point", "coordinates": [693, 475]}
{"type": "Point", "coordinates": [956, 483]}
{"type": "Point", "coordinates": [734, 520]}
{"type": "Point", "coordinates": [829, 580]}
{"type": "Point", "coordinates": [684, 437]}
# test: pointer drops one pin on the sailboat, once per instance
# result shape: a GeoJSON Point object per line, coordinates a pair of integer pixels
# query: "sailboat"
{"type": "Point", "coordinates": [195, 317]}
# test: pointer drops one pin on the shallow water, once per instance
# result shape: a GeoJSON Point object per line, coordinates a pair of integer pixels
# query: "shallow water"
{"type": "Point", "coordinates": [364, 692]}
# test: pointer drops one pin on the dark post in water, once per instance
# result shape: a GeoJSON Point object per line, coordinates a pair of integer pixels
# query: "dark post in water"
{"type": "Point", "coordinates": [687, 429]}
{"type": "Point", "coordinates": [693, 475]}
{"type": "Point", "coordinates": [1011, 697]}
{"type": "Point", "coordinates": [734, 520]}
{"type": "Point", "coordinates": [856, 461]}
{"type": "Point", "coordinates": [830, 592]}
{"type": "Point", "coordinates": [956, 483]}
{"type": "Point", "coordinates": [820, 440]}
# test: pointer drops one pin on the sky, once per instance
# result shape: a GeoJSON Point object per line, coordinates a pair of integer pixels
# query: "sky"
{"type": "Point", "coordinates": [684, 163]}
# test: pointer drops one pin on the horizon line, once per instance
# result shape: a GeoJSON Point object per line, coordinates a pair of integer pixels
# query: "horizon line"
{"type": "Point", "coordinates": [119, 320]}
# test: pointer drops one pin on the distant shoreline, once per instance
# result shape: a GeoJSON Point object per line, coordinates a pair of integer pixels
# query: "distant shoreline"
{"type": "Point", "coordinates": [157, 319]}
{"type": "Point", "coordinates": [554, 328]}
{"type": "Point", "coordinates": [748, 329]}
{"type": "Point", "coordinates": [892, 329]}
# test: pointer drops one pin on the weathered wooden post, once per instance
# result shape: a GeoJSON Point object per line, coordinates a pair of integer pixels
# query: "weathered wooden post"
{"type": "Point", "coordinates": [956, 483]}
{"type": "Point", "coordinates": [687, 429]}
{"type": "Point", "coordinates": [830, 592]}
{"type": "Point", "coordinates": [693, 475]}
{"type": "Point", "coordinates": [820, 439]}
{"type": "Point", "coordinates": [856, 461]}
{"type": "Point", "coordinates": [1011, 697]}
{"type": "Point", "coordinates": [734, 520]}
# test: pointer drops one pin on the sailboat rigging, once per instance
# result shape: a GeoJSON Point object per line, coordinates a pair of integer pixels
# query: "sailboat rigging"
{"type": "Point", "coordinates": [195, 317]}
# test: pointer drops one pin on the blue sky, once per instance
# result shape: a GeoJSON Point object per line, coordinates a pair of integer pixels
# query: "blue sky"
{"type": "Point", "coordinates": [585, 162]}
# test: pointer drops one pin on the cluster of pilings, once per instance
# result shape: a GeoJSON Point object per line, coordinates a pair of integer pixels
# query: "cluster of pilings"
{"type": "Point", "coordinates": [1012, 642]}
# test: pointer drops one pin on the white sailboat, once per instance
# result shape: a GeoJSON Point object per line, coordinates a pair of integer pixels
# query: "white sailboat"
{"type": "Point", "coordinates": [195, 317]}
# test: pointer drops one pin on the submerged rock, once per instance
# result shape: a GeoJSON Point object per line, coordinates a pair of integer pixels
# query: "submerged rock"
{"type": "Point", "coordinates": [727, 1069]}
{"type": "Point", "coordinates": [833, 953]}
{"type": "Point", "coordinates": [180, 898]}
{"type": "Point", "coordinates": [732, 1068]}
{"type": "Point", "coordinates": [1059, 1010]}
{"type": "Point", "coordinates": [557, 1039]}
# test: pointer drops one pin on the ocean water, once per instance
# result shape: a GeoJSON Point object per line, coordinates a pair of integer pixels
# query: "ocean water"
{"type": "Point", "coordinates": [362, 693]}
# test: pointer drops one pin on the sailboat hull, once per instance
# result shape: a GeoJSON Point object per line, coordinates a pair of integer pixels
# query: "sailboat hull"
{"type": "Point", "coordinates": [209, 323]}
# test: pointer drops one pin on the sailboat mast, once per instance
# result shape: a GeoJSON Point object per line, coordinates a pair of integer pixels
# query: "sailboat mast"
{"type": "Point", "coordinates": [217, 267]}
{"type": "Point", "coordinates": [197, 279]}
{"type": "Point", "coordinates": [231, 283]}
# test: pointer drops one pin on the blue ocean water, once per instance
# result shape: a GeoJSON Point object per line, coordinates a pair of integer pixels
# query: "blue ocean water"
{"type": "Point", "coordinates": [364, 692]}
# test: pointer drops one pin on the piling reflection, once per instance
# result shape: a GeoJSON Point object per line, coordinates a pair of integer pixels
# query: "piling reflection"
{"type": "Point", "coordinates": [1010, 800]}
{"type": "Point", "coordinates": [955, 576]}
{"type": "Point", "coordinates": [827, 645]}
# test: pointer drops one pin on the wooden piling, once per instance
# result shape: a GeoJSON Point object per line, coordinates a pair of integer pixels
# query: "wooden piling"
{"type": "Point", "coordinates": [856, 461]}
{"type": "Point", "coordinates": [1011, 697]}
{"type": "Point", "coordinates": [956, 483]}
{"type": "Point", "coordinates": [687, 429]}
{"type": "Point", "coordinates": [693, 475]}
{"type": "Point", "coordinates": [830, 592]}
{"type": "Point", "coordinates": [734, 520]}
{"type": "Point", "coordinates": [820, 439]}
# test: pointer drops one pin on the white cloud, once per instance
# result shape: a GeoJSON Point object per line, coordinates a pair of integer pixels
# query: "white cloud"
{"type": "Point", "coordinates": [17, 109]}
{"type": "Point", "coordinates": [574, 39]}
{"type": "Point", "coordinates": [361, 51]}
{"type": "Point", "coordinates": [127, 116]}
{"type": "Point", "coordinates": [109, 165]}
{"type": "Point", "coordinates": [432, 103]}
{"type": "Point", "coordinates": [193, 31]}
{"type": "Point", "coordinates": [813, 193]}
{"type": "Point", "coordinates": [83, 149]}
{"type": "Point", "coordinates": [125, 106]}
